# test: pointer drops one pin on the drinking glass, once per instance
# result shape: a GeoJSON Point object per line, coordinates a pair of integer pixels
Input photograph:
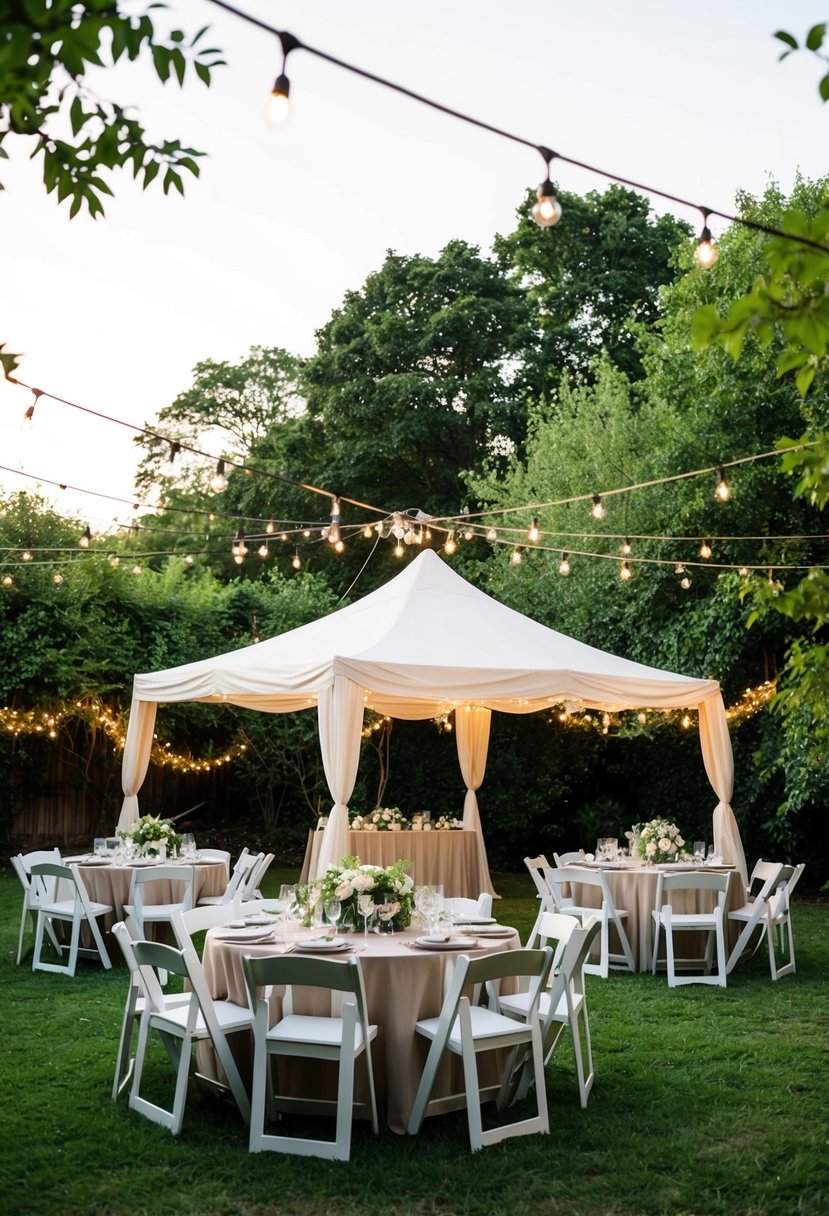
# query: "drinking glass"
{"type": "Point", "coordinates": [365, 906]}
{"type": "Point", "coordinates": [188, 846]}
{"type": "Point", "coordinates": [99, 848]}
{"type": "Point", "coordinates": [429, 903]}
{"type": "Point", "coordinates": [333, 910]}
{"type": "Point", "coordinates": [129, 850]}
{"type": "Point", "coordinates": [699, 850]}
{"type": "Point", "coordinates": [712, 855]}
{"type": "Point", "coordinates": [287, 897]}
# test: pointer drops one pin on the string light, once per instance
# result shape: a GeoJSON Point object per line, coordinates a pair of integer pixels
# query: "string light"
{"type": "Point", "coordinates": [685, 582]}
{"type": "Point", "coordinates": [533, 535]}
{"type": "Point", "coordinates": [279, 107]}
{"type": "Point", "coordinates": [7, 580]}
{"type": "Point", "coordinates": [270, 527]}
{"type": "Point", "coordinates": [339, 546]}
{"type": "Point", "coordinates": [517, 556]}
{"type": "Point", "coordinates": [597, 510]}
{"type": "Point", "coordinates": [137, 570]}
{"type": "Point", "coordinates": [296, 560]}
{"type": "Point", "coordinates": [564, 565]}
{"type": "Point", "coordinates": [334, 529]}
{"type": "Point", "coordinates": [705, 550]}
{"type": "Point", "coordinates": [625, 572]}
{"type": "Point", "coordinates": [450, 544]}
{"type": "Point", "coordinates": [705, 254]}
{"type": "Point", "coordinates": [367, 532]}
{"type": "Point", "coordinates": [85, 539]}
{"type": "Point", "coordinates": [547, 210]}
{"type": "Point", "coordinates": [57, 578]}
{"type": "Point", "coordinates": [723, 489]}
{"type": "Point", "coordinates": [492, 534]}
{"type": "Point", "coordinates": [398, 550]}
{"type": "Point", "coordinates": [189, 559]}
{"type": "Point", "coordinates": [263, 550]}
{"type": "Point", "coordinates": [625, 547]}
{"type": "Point", "coordinates": [26, 555]}
{"type": "Point", "coordinates": [743, 572]}
{"type": "Point", "coordinates": [239, 549]}
{"type": "Point", "coordinates": [219, 480]}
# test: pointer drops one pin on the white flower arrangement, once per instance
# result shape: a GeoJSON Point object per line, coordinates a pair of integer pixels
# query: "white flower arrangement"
{"type": "Point", "coordinates": [382, 819]}
{"type": "Point", "coordinates": [391, 888]}
{"type": "Point", "coordinates": [659, 841]}
{"type": "Point", "coordinates": [445, 823]}
{"type": "Point", "coordinates": [151, 832]}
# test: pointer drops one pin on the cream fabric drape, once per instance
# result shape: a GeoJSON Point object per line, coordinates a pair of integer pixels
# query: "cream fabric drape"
{"type": "Point", "coordinates": [340, 711]}
{"type": "Point", "coordinates": [137, 749]}
{"type": "Point", "coordinates": [472, 724]}
{"type": "Point", "coordinates": [718, 759]}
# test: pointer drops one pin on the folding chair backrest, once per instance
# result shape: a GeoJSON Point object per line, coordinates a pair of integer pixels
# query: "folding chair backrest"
{"type": "Point", "coordinates": [45, 888]}
{"type": "Point", "coordinates": [241, 869]}
{"type": "Point", "coordinates": [765, 878]}
{"type": "Point", "coordinates": [559, 928]}
{"type": "Point", "coordinates": [460, 906]}
{"type": "Point", "coordinates": [691, 880]}
{"type": "Point", "coordinates": [257, 872]}
{"type": "Point", "coordinates": [186, 923]}
{"type": "Point", "coordinates": [558, 877]}
{"type": "Point", "coordinates": [564, 859]}
{"type": "Point", "coordinates": [293, 971]}
{"type": "Point", "coordinates": [537, 866]}
{"type": "Point", "coordinates": [143, 878]}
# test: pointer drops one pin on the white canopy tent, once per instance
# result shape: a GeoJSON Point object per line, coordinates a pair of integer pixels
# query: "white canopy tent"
{"type": "Point", "coordinates": [425, 643]}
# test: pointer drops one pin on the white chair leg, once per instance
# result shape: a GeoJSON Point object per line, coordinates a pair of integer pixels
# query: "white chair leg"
{"type": "Point", "coordinates": [470, 1078]}
{"type": "Point", "coordinates": [123, 1061]}
{"type": "Point", "coordinates": [345, 1087]}
{"type": "Point", "coordinates": [720, 935]}
{"type": "Point", "coordinates": [669, 946]}
{"type": "Point", "coordinates": [261, 1077]}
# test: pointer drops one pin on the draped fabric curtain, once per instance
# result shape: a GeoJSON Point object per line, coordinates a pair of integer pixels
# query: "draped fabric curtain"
{"type": "Point", "coordinates": [340, 708]}
{"type": "Point", "coordinates": [718, 759]}
{"type": "Point", "coordinates": [472, 724]}
{"type": "Point", "coordinates": [137, 750]}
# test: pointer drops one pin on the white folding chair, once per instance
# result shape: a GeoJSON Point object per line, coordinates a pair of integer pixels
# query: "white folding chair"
{"type": "Point", "coordinates": [214, 855]}
{"type": "Point", "coordinates": [125, 934]}
{"type": "Point", "coordinates": [187, 923]}
{"type": "Point", "coordinates": [566, 859]}
{"type": "Point", "coordinates": [780, 918]}
{"type": "Point", "coordinates": [241, 869]}
{"type": "Point", "coordinates": [250, 888]}
{"type": "Point", "coordinates": [564, 1002]}
{"type": "Point", "coordinates": [344, 1039]}
{"type": "Point", "coordinates": [466, 1030]}
{"type": "Point", "coordinates": [672, 922]}
{"type": "Point", "coordinates": [46, 889]}
{"type": "Point", "coordinates": [607, 912]}
{"type": "Point", "coordinates": [140, 907]}
{"type": "Point", "coordinates": [754, 915]}
{"type": "Point", "coordinates": [458, 906]}
{"type": "Point", "coordinates": [77, 910]}
{"type": "Point", "coordinates": [180, 1028]}
{"type": "Point", "coordinates": [539, 867]}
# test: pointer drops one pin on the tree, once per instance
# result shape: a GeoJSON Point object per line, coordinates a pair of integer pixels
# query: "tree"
{"type": "Point", "coordinates": [593, 280]}
{"type": "Point", "coordinates": [47, 48]}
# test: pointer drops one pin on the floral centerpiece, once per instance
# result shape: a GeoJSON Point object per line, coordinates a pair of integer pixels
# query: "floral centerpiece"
{"type": "Point", "coordinates": [444, 822]}
{"type": "Point", "coordinates": [391, 888]}
{"type": "Point", "coordinates": [659, 841]}
{"type": "Point", "coordinates": [382, 819]}
{"type": "Point", "coordinates": [150, 834]}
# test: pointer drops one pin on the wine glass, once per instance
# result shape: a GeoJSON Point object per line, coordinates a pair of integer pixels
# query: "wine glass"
{"type": "Point", "coordinates": [699, 850]}
{"type": "Point", "coordinates": [365, 906]}
{"type": "Point", "coordinates": [287, 897]}
{"type": "Point", "coordinates": [333, 910]}
{"type": "Point", "coordinates": [188, 846]}
{"type": "Point", "coordinates": [100, 846]}
{"type": "Point", "coordinates": [712, 855]}
{"type": "Point", "coordinates": [429, 903]}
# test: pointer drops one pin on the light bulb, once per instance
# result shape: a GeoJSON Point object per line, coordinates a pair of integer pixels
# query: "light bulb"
{"type": "Point", "coordinates": [517, 556]}
{"type": "Point", "coordinates": [137, 570]}
{"type": "Point", "coordinates": [533, 535]}
{"type": "Point", "coordinates": [238, 558]}
{"type": "Point", "coordinates": [705, 254]}
{"type": "Point", "coordinates": [339, 547]}
{"type": "Point", "coordinates": [57, 578]}
{"type": "Point", "coordinates": [367, 531]}
{"type": "Point", "coordinates": [296, 561]}
{"type": "Point", "coordinates": [491, 534]}
{"type": "Point", "coordinates": [26, 555]}
{"type": "Point", "coordinates": [85, 538]}
{"type": "Point", "coordinates": [279, 105]}
{"type": "Point", "coordinates": [398, 550]}
{"type": "Point", "coordinates": [743, 572]}
{"type": "Point", "coordinates": [468, 534]}
{"type": "Point", "coordinates": [189, 559]}
{"type": "Point", "coordinates": [547, 211]}
{"type": "Point", "coordinates": [597, 510]}
{"type": "Point", "coordinates": [705, 550]}
{"type": "Point", "coordinates": [8, 581]}
{"type": "Point", "coordinates": [451, 545]}
{"type": "Point", "coordinates": [723, 489]}
{"type": "Point", "coordinates": [685, 583]}
{"type": "Point", "coordinates": [641, 717]}
{"type": "Point", "coordinates": [262, 550]}
{"type": "Point", "coordinates": [686, 722]}
{"type": "Point", "coordinates": [218, 480]}
{"type": "Point", "coordinates": [625, 572]}
{"type": "Point", "coordinates": [564, 565]}
{"type": "Point", "coordinates": [306, 532]}
{"type": "Point", "coordinates": [334, 533]}
{"type": "Point", "coordinates": [626, 547]}
{"type": "Point", "coordinates": [679, 568]}
{"type": "Point", "coordinates": [270, 527]}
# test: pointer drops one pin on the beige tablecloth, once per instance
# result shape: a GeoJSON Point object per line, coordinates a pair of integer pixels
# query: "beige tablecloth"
{"type": "Point", "coordinates": [451, 858]}
{"type": "Point", "coordinates": [110, 884]}
{"type": "Point", "coordinates": [634, 889]}
{"type": "Point", "coordinates": [402, 985]}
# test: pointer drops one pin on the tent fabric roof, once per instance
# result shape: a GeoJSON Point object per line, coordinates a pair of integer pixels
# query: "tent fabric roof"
{"type": "Point", "coordinates": [425, 640]}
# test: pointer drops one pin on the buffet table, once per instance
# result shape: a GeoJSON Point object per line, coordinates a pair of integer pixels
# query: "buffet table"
{"type": "Point", "coordinates": [633, 888]}
{"type": "Point", "coordinates": [450, 858]}
{"type": "Point", "coordinates": [402, 983]}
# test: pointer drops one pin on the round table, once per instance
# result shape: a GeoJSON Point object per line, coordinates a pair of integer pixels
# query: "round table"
{"type": "Point", "coordinates": [402, 985]}
{"type": "Point", "coordinates": [108, 882]}
{"type": "Point", "coordinates": [633, 887]}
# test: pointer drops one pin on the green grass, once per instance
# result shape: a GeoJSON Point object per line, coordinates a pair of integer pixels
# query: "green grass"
{"type": "Point", "coordinates": [706, 1102]}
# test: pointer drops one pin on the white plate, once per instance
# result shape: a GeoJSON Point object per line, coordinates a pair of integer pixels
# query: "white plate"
{"type": "Point", "coordinates": [248, 934]}
{"type": "Point", "coordinates": [260, 919]}
{"type": "Point", "coordinates": [141, 862]}
{"type": "Point", "coordinates": [495, 931]}
{"type": "Point", "coordinates": [474, 920]}
{"type": "Point", "coordinates": [322, 946]}
{"type": "Point", "coordinates": [93, 861]}
{"type": "Point", "coordinates": [456, 943]}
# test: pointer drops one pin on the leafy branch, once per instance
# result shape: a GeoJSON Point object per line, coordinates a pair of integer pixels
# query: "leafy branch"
{"type": "Point", "coordinates": [812, 42]}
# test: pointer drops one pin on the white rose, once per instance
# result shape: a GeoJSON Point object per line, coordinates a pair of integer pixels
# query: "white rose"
{"type": "Point", "coordinates": [665, 845]}
{"type": "Point", "coordinates": [679, 842]}
{"type": "Point", "coordinates": [394, 827]}
{"type": "Point", "coordinates": [344, 890]}
{"type": "Point", "coordinates": [363, 882]}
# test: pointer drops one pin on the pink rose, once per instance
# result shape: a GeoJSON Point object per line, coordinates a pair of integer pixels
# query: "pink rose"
{"type": "Point", "coordinates": [665, 845]}
{"type": "Point", "coordinates": [650, 848]}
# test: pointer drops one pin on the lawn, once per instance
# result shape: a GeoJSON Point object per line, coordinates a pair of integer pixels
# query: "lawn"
{"type": "Point", "coordinates": [706, 1102]}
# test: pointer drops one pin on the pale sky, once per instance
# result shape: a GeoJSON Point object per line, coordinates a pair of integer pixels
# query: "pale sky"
{"type": "Point", "coordinates": [113, 314]}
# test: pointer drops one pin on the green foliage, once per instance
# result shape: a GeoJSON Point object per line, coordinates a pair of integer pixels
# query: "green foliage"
{"type": "Point", "coordinates": [47, 49]}
{"type": "Point", "coordinates": [813, 42]}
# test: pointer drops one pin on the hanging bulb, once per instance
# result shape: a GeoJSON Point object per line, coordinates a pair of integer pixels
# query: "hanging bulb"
{"type": "Point", "coordinates": [451, 545]}
{"type": "Point", "coordinates": [239, 548]}
{"type": "Point", "coordinates": [7, 580]}
{"type": "Point", "coordinates": [626, 547]}
{"type": "Point", "coordinates": [85, 538]}
{"type": "Point", "coordinates": [723, 489]}
{"type": "Point", "coordinates": [410, 537]}
{"type": "Point", "coordinates": [533, 535]}
{"type": "Point", "coordinates": [547, 211]}
{"type": "Point", "coordinates": [262, 550]}
{"type": "Point", "coordinates": [491, 534]}
{"type": "Point", "coordinates": [743, 572]}
{"type": "Point", "coordinates": [137, 570]}
{"type": "Point", "coordinates": [26, 555]}
{"type": "Point", "coordinates": [686, 721]}
{"type": "Point", "coordinates": [625, 572]}
{"type": "Point", "coordinates": [296, 560]}
{"type": "Point", "coordinates": [367, 531]}
{"type": "Point", "coordinates": [306, 532]}
{"type": "Point", "coordinates": [238, 558]}
{"type": "Point", "coordinates": [189, 559]}
{"type": "Point", "coordinates": [283, 536]}
{"type": "Point", "coordinates": [705, 254]}
{"type": "Point", "coordinates": [398, 550]}
{"type": "Point", "coordinates": [428, 535]}
{"type": "Point", "coordinates": [597, 510]}
{"type": "Point", "coordinates": [517, 556]}
{"type": "Point", "coordinates": [218, 480]}
{"type": "Point", "coordinates": [57, 578]}
{"type": "Point", "coordinates": [278, 108]}
{"type": "Point", "coordinates": [468, 534]}
{"type": "Point", "coordinates": [685, 583]}
{"type": "Point", "coordinates": [334, 533]}
{"type": "Point", "coordinates": [114, 560]}
{"type": "Point", "coordinates": [679, 568]}
{"type": "Point", "coordinates": [339, 546]}
{"type": "Point", "coordinates": [705, 550]}
{"type": "Point", "coordinates": [270, 527]}
{"type": "Point", "coordinates": [564, 565]}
